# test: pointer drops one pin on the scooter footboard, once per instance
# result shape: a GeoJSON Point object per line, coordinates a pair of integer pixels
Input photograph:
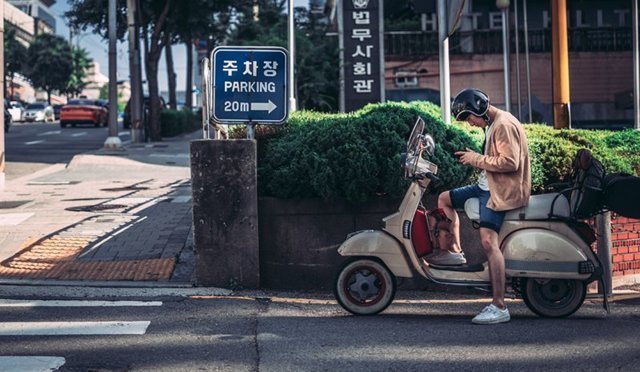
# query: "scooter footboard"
{"type": "Point", "coordinates": [378, 244]}
{"type": "Point", "coordinates": [540, 253]}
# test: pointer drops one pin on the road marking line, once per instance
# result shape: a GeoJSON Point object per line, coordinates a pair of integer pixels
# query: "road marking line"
{"type": "Point", "coordinates": [50, 133]}
{"type": "Point", "coordinates": [73, 328]}
{"type": "Point", "coordinates": [33, 142]}
{"type": "Point", "coordinates": [30, 363]}
{"type": "Point", "coordinates": [79, 134]}
{"type": "Point", "coordinates": [75, 303]}
{"type": "Point", "coordinates": [124, 133]}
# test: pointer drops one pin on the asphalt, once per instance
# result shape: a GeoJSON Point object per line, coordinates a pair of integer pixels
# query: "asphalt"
{"type": "Point", "coordinates": [117, 216]}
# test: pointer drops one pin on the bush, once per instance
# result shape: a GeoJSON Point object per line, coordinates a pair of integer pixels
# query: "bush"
{"type": "Point", "coordinates": [356, 156]}
{"type": "Point", "coordinates": [175, 122]}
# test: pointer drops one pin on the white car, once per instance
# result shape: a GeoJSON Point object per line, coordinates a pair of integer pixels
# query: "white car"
{"type": "Point", "coordinates": [36, 111]}
{"type": "Point", "coordinates": [16, 109]}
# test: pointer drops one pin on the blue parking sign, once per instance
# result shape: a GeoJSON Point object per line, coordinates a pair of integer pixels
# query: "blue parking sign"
{"type": "Point", "coordinates": [250, 85]}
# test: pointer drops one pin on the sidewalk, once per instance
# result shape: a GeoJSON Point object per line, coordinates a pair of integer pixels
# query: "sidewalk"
{"type": "Point", "coordinates": [115, 215]}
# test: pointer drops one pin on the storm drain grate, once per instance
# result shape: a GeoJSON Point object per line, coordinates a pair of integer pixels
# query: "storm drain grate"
{"type": "Point", "coordinates": [10, 204]}
{"type": "Point", "coordinates": [97, 207]}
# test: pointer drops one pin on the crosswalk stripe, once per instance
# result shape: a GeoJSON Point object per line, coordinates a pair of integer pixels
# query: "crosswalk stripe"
{"type": "Point", "coordinates": [73, 303]}
{"type": "Point", "coordinates": [79, 134]}
{"type": "Point", "coordinates": [30, 363]}
{"type": "Point", "coordinates": [33, 142]}
{"type": "Point", "coordinates": [73, 328]}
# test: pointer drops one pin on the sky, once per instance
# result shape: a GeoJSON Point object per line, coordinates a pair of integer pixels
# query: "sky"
{"type": "Point", "coordinates": [98, 50]}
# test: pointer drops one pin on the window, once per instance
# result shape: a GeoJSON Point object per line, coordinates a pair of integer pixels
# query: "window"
{"type": "Point", "coordinates": [405, 79]}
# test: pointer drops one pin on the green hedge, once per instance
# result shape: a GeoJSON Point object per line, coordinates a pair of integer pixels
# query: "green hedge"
{"type": "Point", "coordinates": [355, 156]}
{"type": "Point", "coordinates": [175, 122]}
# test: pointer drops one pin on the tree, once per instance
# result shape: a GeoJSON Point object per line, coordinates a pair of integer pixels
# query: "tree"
{"type": "Point", "coordinates": [200, 19]}
{"type": "Point", "coordinates": [153, 14]}
{"type": "Point", "coordinates": [317, 58]}
{"type": "Point", "coordinates": [80, 63]}
{"type": "Point", "coordinates": [49, 63]}
{"type": "Point", "coordinates": [15, 56]}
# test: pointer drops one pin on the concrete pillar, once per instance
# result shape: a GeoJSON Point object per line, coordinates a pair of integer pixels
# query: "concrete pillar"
{"type": "Point", "coordinates": [225, 213]}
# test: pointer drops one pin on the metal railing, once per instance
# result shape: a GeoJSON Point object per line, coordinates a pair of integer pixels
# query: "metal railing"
{"type": "Point", "coordinates": [417, 43]}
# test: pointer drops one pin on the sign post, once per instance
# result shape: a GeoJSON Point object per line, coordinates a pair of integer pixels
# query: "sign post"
{"type": "Point", "coordinates": [250, 85]}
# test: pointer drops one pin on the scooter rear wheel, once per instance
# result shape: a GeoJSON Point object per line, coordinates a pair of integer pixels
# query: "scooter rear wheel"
{"type": "Point", "coordinates": [553, 298]}
{"type": "Point", "coordinates": [364, 286]}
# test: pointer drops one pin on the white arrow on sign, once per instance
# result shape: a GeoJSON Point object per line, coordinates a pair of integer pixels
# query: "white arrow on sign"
{"type": "Point", "coordinates": [263, 106]}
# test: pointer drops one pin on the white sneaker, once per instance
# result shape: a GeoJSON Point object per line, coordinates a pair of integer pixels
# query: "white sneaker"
{"type": "Point", "coordinates": [491, 314]}
{"type": "Point", "coordinates": [447, 258]}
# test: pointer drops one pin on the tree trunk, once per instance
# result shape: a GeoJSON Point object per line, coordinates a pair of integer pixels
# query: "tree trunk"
{"type": "Point", "coordinates": [154, 100]}
{"type": "Point", "coordinates": [171, 74]}
{"type": "Point", "coordinates": [188, 91]}
{"type": "Point", "coordinates": [152, 60]}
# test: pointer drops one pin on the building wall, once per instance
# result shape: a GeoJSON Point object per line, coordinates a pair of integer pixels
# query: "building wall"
{"type": "Point", "coordinates": [595, 79]}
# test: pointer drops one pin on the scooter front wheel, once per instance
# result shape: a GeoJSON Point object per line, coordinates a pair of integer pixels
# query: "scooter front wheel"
{"type": "Point", "coordinates": [364, 286]}
{"type": "Point", "coordinates": [553, 298]}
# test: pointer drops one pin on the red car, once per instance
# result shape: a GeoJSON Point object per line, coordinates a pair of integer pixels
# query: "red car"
{"type": "Point", "coordinates": [82, 111]}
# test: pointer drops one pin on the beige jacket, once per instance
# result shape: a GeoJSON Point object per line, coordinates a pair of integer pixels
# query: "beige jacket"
{"type": "Point", "coordinates": [507, 163]}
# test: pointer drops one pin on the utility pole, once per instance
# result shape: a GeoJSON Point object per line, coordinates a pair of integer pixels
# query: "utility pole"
{"type": "Point", "coordinates": [443, 44]}
{"type": "Point", "coordinates": [135, 106]}
{"type": "Point", "coordinates": [292, 59]}
{"type": "Point", "coordinates": [113, 141]}
{"type": "Point", "coordinates": [503, 5]}
{"type": "Point", "coordinates": [2, 123]}
{"type": "Point", "coordinates": [560, 56]}
{"type": "Point", "coordinates": [636, 67]}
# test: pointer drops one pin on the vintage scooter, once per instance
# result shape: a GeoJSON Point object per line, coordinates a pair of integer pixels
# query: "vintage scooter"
{"type": "Point", "coordinates": [547, 252]}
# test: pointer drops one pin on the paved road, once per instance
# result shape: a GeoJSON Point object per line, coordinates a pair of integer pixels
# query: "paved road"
{"type": "Point", "coordinates": [310, 332]}
{"type": "Point", "coordinates": [32, 146]}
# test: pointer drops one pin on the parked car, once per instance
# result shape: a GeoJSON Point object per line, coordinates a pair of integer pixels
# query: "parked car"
{"type": "Point", "coordinates": [7, 119]}
{"type": "Point", "coordinates": [36, 111]}
{"type": "Point", "coordinates": [81, 111]}
{"type": "Point", "coordinates": [56, 111]}
{"type": "Point", "coordinates": [16, 109]}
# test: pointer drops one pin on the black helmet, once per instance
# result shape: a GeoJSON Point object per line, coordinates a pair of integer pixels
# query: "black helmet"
{"type": "Point", "coordinates": [470, 101]}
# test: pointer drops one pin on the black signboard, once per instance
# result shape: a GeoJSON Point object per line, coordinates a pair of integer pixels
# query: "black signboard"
{"type": "Point", "coordinates": [362, 49]}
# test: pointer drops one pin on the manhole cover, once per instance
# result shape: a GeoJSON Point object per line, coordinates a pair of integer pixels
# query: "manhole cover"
{"type": "Point", "coordinates": [10, 204]}
{"type": "Point", "coordinates": [126, 188]}
{"type": "Point", "coordinates": [94, 208]}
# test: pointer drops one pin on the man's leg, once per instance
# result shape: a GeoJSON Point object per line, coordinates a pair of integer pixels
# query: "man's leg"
{"type": "Point", "coordinates": [444, 202]}
{"type": "Point", "coordinates": [489, 239]}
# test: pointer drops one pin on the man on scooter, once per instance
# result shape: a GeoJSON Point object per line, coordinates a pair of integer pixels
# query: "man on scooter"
{"type": "Point", "coordinates": [504, 184]}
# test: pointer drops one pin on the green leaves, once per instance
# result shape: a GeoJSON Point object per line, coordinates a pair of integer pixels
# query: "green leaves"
{"type": "Point", "coordinates": [50, 63]}
{"type": "Point", "coordinates": [355, 156]}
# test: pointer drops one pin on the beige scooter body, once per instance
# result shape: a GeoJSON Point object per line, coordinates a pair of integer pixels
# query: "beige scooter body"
{"type": "Point", "coordinates": [535, 247]}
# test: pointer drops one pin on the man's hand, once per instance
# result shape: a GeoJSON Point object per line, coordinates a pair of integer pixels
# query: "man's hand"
{"type": "Point", "coordinates": [465, 156]}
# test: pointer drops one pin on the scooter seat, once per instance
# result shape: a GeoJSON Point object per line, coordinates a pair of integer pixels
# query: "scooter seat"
{"type": "Point", "coordinates": [539, 208]}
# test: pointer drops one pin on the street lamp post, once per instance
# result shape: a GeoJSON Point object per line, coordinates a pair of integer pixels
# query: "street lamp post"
{"type": "Point", "coordinates": [292, 59]}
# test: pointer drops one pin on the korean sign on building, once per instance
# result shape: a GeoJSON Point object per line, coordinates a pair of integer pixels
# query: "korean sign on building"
{"type": "Point", "coordinates": [362, 53]}
{"type": "Point", "coordinates": [249, 85]}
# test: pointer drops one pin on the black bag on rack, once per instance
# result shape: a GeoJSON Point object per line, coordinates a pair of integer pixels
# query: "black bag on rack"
{"type": "Point", "coordinates": [622, 194]}
{"type": "Point", "coordinates": [588, 178]}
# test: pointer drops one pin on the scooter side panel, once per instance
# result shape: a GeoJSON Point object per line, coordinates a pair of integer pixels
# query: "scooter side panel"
{"type": "Point", "coordinates": [541, 253]}
{"type": "Point", "coordinates": [378, 244]}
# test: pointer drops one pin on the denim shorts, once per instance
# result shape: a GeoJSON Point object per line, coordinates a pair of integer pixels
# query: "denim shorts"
{"type": "Point", "coordinates": [489, 218]}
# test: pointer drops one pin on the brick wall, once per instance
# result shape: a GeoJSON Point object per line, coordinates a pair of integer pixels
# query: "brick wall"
{"type": "Point", "coordinates": [625, 246]}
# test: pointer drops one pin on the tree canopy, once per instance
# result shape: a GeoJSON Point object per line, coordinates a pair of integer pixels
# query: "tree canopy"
{"type": "Point", "coordinates": [15, 53]}
{"type": "Point", "coordinates": [49, 63]}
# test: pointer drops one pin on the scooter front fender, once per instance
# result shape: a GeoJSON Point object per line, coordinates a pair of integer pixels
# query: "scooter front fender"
{"type": "Point", "coordinates": [378, 244]}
